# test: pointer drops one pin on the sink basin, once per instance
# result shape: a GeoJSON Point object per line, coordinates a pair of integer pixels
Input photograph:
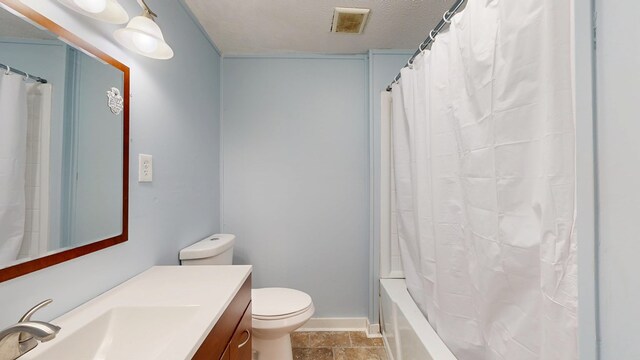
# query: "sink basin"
{"type": "Point", "coordinates": [164, 313]}
{"type": "Point", "coordinates": [120, 333]}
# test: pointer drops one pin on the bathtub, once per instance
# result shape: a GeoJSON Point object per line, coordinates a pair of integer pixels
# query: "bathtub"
{"type": "Point", "coordinates": [406, 332]}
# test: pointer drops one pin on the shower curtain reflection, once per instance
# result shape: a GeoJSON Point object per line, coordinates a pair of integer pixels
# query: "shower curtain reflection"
{"type": "Point", "coordinates": [36, 238]}
{"type": "Point", "coordinates": [24, 168]}
{"type": "Point", "coordinates": [13, 165]}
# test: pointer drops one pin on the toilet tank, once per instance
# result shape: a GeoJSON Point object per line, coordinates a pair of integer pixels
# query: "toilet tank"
{"type": "Point", "coordinates": [216, 249]}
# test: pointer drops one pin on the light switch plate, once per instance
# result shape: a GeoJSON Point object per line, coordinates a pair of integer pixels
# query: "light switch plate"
{"type": "Point", "coordinates": [145, 168]}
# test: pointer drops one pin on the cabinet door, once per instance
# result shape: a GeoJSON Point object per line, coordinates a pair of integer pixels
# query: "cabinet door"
{"type": "Point", "coordinates": [240, 346]}
{"type": "Point", "coordinates": [226, 355]}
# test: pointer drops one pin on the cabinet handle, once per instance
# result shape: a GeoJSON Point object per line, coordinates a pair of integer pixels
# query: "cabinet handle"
{"type": "Point", "coordinates": [246, 341]}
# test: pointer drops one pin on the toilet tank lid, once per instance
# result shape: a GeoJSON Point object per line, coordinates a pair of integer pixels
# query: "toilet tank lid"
{"type": "Point", "coordinates": [210, 246]}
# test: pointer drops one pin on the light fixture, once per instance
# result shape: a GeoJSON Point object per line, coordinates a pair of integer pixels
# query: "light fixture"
{"type": "Point", "coordinates": [109, 11]}
{"type": "Point", "coordinates": [92, 6]}
{"type": "Point", "coordinates": [143, 36]}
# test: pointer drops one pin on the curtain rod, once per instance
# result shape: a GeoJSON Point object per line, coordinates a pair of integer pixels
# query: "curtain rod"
{"type": "Point", "coordinates": [446, 18]}
{"type": "Point", "coordinates": [26, 75]}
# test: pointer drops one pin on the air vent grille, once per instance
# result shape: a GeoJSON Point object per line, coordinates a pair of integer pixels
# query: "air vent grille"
{"type": "Point", "coordinates": [349, 20]}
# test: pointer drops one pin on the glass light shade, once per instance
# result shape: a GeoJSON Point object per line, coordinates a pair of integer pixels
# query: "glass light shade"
{"type": "Point", "coordinates": [143, 36]}
{"type": "Point", "coordinates": [145, 43]}
{"type": "Point", "coordinates": [112, 12]}
{"type": "Point", "coordinates": [92, 6]}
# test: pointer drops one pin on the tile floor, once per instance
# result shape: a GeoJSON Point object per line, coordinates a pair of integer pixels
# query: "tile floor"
{"type": "Point", "coordinates": [327, 345]}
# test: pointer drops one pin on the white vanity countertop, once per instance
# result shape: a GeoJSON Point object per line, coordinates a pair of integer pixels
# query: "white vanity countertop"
{"type": "Point", "coordinates": [206, 290]}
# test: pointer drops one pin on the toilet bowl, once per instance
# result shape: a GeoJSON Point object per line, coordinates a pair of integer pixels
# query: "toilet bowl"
{"type": "Point", "coordinates": [276, 312]}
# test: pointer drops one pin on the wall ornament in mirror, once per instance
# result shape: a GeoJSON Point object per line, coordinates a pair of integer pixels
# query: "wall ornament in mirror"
{"type": "Point", "coordinates": [116, 102]}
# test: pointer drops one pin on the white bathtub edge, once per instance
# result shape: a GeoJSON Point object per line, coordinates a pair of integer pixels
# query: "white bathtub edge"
{"type": "Point", "coordinates": [405, 306]}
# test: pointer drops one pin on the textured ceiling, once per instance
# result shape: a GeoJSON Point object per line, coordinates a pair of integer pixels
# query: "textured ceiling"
{"type": "Point", "coordinates": [13, 26]}
{"type": "Point", "coordinates": [282, 26]}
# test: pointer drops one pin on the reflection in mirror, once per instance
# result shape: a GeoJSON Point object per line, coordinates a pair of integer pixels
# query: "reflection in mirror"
{"type": "Point", "coordinates": [61, 144]}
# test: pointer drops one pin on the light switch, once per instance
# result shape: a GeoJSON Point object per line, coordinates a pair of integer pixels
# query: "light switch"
{"type": "Point", "coordinates": [145, 168]}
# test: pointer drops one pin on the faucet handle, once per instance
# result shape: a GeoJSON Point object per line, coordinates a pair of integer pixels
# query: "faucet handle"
{"type": "Point", "coordinates": [26, 337]}
{"type": "Point", "coordinates": [27, 316]}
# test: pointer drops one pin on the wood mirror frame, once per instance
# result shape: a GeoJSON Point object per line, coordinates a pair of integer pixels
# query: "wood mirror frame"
{"type": "Point", "coordinates": [26, 267]}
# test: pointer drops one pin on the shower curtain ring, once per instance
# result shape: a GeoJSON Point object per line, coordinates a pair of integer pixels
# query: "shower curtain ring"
{"type": "Point", "coordinates": [432, 37]}
{"type": "Point", "coordinates": [446, 17]}
{"type": "Point", "coordinates": [26, 77]}
{"type": "Point", "coordinates": [8, 72]}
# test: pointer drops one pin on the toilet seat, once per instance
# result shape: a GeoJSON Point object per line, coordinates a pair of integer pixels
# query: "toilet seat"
{"type": "Point", "coordinates": [278, 303]}
{"type": "Point", "coordinates": [280, 317]}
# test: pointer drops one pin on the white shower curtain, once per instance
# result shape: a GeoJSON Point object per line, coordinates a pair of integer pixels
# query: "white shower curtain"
{"type": "Point", "coordinates": [484, 170]}
{"type": "Point", "coordinates": [13, 156]}
{"type": "Point", "coordinates": [36, 235]}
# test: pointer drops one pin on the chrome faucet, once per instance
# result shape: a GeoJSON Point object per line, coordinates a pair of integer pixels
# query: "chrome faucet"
{"type": "Point", "coordinates": [20, 338]}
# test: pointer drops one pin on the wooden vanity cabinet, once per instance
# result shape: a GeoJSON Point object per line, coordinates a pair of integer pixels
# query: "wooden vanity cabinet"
{"type": "Point", "coordinates": [230, 338]}
{"type": "Point", "coordinates": [240, 345]}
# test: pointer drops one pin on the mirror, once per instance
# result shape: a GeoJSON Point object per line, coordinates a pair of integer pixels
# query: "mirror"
{"type": "Point", "coordinates": [64, 128]}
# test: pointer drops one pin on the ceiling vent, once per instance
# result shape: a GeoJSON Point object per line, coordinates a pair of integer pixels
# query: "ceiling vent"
{"type": "Point", "coordinates": [349, 20]}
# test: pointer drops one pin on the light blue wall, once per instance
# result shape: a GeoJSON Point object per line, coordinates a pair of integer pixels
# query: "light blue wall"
{"type": "Point", "coordinates": [296, 175]}
{"type": "Point", "coordinates": [618, 128]}
{"type": "Point", "coordinates": [174, 117]}
{"type": "Point", "coordinates": [98, 166]}
{"type": "Point", "coordinates": [384, 65]}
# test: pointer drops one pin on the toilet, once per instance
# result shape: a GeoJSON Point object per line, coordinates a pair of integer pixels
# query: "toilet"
{"type": "Point", "coordinates": [276, 312]}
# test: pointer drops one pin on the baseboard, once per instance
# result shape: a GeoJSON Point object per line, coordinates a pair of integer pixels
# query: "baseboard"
{"type": "Point", "coordinates": [373, 330]}
{"type": "Point", "coordinates": [342, 324]}
{"type": "Point", "coordinates": [335, 324]}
